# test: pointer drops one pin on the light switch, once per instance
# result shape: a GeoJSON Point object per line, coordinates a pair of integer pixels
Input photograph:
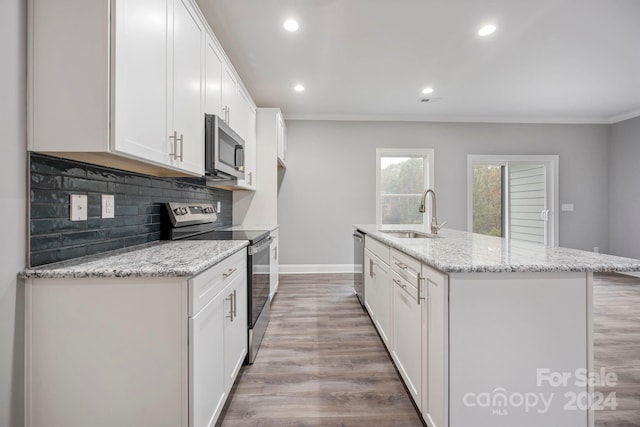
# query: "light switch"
{"type": "Point", "coordinates": [79, 206]}
{"type": "Point", "coordinates": [108, 206]}
{"type": "Point", "coordinates": [567, 207]}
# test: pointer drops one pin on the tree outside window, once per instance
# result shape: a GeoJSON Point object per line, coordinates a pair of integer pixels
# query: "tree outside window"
{"type": "Point", "coordinates": [402, 175]}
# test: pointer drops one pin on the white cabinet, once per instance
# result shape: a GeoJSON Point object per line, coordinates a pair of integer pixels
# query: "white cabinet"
{"type": "Point", "coordinates": [247, 113]}
{"type": "Point", "coordinates": [377, 288]}
{"type": "Point", "coordinates": [186, 126]}
{"type": "Point", "coordinates": [217, 336]}
{"type": "Point", "coordinates": [274, 266]}
{"type": "Point", "coordinates": [282, 142]}
{"type": "Point", "coordinates": [213, 78]}
{"type": "Point", "coordinates": [261, 206]}
{"type": "Point", "coordinates": [235, 330]}
{"type": "Point", "coordinates": [161, 351]}
{"type": "Point", "coordinates": [435, 376]}
{"type": "Point", "coordinates": [407, 320]}
{"type": "Point", "coordinates": [140, 82]}
{"type": "Point", "coordinates": [126, 83]}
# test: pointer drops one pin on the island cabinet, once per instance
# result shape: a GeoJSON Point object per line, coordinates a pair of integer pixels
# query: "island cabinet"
{"type": "Point", "coordinates": [377, 288]}
{"type": "Point", "coordinates": [135, 351]}
{"type": "Point", "coordinates": [492, 345]}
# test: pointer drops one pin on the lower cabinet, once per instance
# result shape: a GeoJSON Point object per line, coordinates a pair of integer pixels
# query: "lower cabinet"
{"type": "Point", "coordinates": [274, 265]}
{"type": "Point", "coordinates": [408, 303]}
{"type": "Point", "coordinates": [218, 346]}
{"type": "Point", "coordinates": [407, 336]}
{"type": "Point", "coordinates": [377, 294]}
{"type": "Point", "coordinates": [148, 351]}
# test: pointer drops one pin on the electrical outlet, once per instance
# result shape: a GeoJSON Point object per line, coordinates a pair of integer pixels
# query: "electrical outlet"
{"type": "Point", "coordinates": [79, 205]}
{"type": "Point", "coordinates": [596, 249]}
{"type": "Point", "coordinates": [218, 207]}
{"type": "Point", "coordinates": [108, 206]}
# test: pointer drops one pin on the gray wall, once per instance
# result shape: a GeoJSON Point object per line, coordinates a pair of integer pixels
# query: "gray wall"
{"type": "Point", "coordinates": [12, 199]}
{"type": "Point", "coordinates": [330, 179]}
{"type": "Point", "coordinates": [624, 189]}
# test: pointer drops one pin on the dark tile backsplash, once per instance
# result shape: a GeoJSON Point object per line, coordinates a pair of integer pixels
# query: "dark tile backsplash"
{"type": "Point", "coordinates": [139, 213]}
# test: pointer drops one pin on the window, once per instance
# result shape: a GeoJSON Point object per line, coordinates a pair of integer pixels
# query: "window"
{"type": "Point", "coordinates": [402, 175]}
{"type": "Point", "coordinates": [514, 197]}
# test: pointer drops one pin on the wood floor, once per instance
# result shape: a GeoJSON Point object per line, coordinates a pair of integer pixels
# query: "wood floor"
{"type": "Point", "coordinates": [617, 345]}
{"type": "Point", "coordinates": [322, 363]}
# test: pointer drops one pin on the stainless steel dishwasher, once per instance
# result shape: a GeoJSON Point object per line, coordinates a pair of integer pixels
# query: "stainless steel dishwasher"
{"type": "Point", "coordinates": [358, 263]}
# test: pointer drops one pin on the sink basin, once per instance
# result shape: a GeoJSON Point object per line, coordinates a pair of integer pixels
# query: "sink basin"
{"type": "Point", "coordinates": [403, 234]}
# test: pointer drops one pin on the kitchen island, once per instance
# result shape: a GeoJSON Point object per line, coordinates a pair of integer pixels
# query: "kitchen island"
{"type": "Point", "coordinates": [486, 331]}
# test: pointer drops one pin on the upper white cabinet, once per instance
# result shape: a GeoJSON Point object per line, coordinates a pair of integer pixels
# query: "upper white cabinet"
{"type": "Point", "coordinates": [282, 142]}
{"type": "Point", "coordinates": [186, 127]}
{"type": "Point", "coordinates": [213, 78]}
{"type": "Point", "coordinates": [126, 83]}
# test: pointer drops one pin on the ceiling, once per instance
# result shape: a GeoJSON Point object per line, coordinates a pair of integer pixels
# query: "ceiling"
{"type": "Point", "coordinates": [554, 61]}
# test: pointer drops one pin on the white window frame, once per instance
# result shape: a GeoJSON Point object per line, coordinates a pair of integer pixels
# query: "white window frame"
{"type": "Point", "coordinates": [426, 153]}
{"type": "Point", "coordinates": [552, 164]}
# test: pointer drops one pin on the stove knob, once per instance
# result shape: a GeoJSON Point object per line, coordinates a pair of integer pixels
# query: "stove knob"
{"type": "Point", "coordinates": [177, 211]}
{"type": "Point", "coordinates": [184, 211]}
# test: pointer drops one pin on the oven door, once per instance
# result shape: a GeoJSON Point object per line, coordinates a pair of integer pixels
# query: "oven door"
{"type": "Point", "coordinates": [259, 276]}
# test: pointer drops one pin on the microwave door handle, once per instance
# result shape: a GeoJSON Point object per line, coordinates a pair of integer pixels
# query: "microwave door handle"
{"type": "Point", "coordinates": [239, 157]}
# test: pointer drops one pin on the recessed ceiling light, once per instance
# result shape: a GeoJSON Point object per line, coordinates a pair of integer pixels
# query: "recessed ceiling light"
{"type": "Point", "coordinates": [427, 90]}
{"type": "Point", "coordinates": [486, 30]}
{"type": "Point", "coordinates": [291, 25]}
{"type": "Point", "coordinates": [298, 88]}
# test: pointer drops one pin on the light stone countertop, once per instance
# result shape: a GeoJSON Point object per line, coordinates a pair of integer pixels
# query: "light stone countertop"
{"type": "Point", "coordinates": [158, 259]}
{"type": "Point", "coordinates": [463, 252]}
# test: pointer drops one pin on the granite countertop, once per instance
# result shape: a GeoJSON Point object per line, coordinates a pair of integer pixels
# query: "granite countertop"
{"type": "Point", "coordinates": [158, 259]}
{"type": "Point", "coordinates": [253, 227]}
{"type": "Point", "coordinates": [455, 251]}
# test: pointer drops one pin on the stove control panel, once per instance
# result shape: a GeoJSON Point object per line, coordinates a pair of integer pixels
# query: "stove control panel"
{"type": "Point", "coordinates": [191, 213]}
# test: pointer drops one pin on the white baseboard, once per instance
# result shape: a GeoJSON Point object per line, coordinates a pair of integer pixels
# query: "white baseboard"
{"type": "Point", "coordinates": [316, 268]}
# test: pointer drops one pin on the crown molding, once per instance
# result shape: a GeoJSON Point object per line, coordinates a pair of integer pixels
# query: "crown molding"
{"type": "Point", "coordinates": [450, 119]}
{"type": "Point", "coordinates": [625, 116]}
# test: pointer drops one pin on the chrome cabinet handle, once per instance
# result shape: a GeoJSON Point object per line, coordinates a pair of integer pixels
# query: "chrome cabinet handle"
{"type": "Point", "coordinates": [228, 273]}
{"type": "Point", "coordinates": [402, 285]}
{"type": "Point", "coordinates": [235, 300]}
{"type": "Point", "coordinates": [402, 265]}
{"type": "Point", "coordinates": [250, 178]}
{"type": "Point", "coordinates": [230, 315]}
{"type": "Point", "coordinates": [276, 254]}
{"type": "Point", "coordinates": [174, 146]}
{"type": "Point", "coordinates": [371, 268]}
{"type": "Point", "coordinates": [421, 280]}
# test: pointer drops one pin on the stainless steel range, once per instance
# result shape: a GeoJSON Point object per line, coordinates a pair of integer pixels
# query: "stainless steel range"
{"type": "Point", "coordinates": [195, 221]}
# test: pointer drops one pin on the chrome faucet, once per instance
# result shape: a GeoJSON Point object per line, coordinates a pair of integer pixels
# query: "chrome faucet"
{"type": "Point", "coordinates": [434, 221]}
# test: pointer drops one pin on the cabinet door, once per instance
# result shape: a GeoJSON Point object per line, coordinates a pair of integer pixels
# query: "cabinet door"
{"type": "Point", "coordinates": [369, 294]}
{"type": "Point", "coordinates": [235, 328]}
{"type": "Point", "coordinates": [380, 292]}
{"type": "Point", "coordinates": [207, 368]}
{"type": "Point", "coordinates": [407, 336]}
{"type": "Point", "coordinates": [251, 151]}
{"type": "Point", "coordinates": [213, 78]}
{"type": "Point", "coordinates": [274, 268]}
{"type": "Point", "coordinates": [229, 94]}
{"type": "Point", "coordinates": [187, 107]}
{"type": "Point", "coordinates": [435, 373]}
{"type": "Point", "coordinates": [282, 142]}
{"type": "Point", "coordinates": [140, 80]}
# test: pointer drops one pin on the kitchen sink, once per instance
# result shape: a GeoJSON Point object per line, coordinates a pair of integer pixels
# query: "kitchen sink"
{"type": "Point", "coordinates": [403, 234]}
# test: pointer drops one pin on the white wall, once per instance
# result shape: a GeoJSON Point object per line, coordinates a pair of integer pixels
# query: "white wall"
{"type": "Point", "coordinates": [624, 189]}
{"type": "Point", "coordinates": [13, 202]}
{"type": "Point", "coordinates": [330, 180]}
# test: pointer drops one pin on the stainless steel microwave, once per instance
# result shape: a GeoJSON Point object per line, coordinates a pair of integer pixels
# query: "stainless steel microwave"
{"type": "Point", "coordinates": [223, 150]}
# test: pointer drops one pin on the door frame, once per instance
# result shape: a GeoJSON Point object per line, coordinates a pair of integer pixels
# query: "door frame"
{"type": "Point", "coordinates": [552, 186]}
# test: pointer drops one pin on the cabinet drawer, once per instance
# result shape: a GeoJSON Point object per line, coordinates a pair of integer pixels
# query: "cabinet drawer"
{"type": "Point", "coordinates": [206, 285]}
{"type": "Point", "coordinates": [408, 288]}
{"type": "Point", "coordinates": [378, 249]}
{"type": "Point", "coordinates": [406, 267]}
